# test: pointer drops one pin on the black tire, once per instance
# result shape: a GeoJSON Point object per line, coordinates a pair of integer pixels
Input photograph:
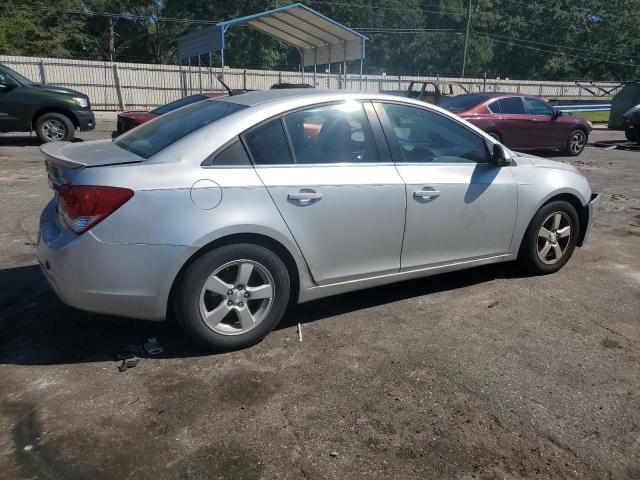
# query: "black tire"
{"type": "Point", "coordinates": [188, 299]}
{"type": "Point", "coordinates": [54, 127]}
{"type": "Point", "coordinates": [576, 142]}
{"type": "Point", "coordinates": [533, 243]}
{"type": "Point", "coordinates": [496, 136]}
{"type": "Point", "coordinates": [632, 134]}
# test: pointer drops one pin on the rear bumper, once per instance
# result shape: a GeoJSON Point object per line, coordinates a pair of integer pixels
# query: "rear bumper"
{"type": "Point", "coordinates": [86, 120]}
{"type": "Point", "coordinates": [592, 208]}
{"type": "Point", "coordinates": [114, 279]}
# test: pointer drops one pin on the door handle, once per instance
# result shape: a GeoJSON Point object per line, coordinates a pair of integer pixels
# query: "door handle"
{"type": "Point", "coordinates": [303, 196]}
{"type": "Point", "coordinates": [426, 194]}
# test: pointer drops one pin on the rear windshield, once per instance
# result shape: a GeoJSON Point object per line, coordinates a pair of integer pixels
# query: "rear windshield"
{"type": "Point", "coordinates": [169, 107]}
{"type": "Point", "coordinates": [149, 138]}
{"type": "Point", "coordinates": [461, 102]}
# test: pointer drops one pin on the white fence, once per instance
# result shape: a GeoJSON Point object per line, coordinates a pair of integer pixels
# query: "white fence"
{"type": "Point", "coordinates": [118, 86]}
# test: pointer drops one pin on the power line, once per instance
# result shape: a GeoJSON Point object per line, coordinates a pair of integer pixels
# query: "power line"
{"type": "Point", "coordinates": [569, 48]}
{"type": "Point", "coordinates": [556, 52]}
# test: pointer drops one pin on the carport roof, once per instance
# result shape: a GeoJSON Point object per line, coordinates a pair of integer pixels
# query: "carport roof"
{"type": "Point", "coordinates": [320, 39]}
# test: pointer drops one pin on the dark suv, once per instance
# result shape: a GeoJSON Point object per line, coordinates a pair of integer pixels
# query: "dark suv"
{"type": "Point", "coordinates": [53, 112]}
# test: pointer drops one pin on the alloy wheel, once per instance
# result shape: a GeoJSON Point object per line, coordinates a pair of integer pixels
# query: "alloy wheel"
{"type": "Point", "coordinates": [577, 142]}
{"type": "Point", "coordinates": [237, 297]}
{"type": "Point", "coordinates": [54, 130]}
{"type": "Point", "coordinates": [554, 238]}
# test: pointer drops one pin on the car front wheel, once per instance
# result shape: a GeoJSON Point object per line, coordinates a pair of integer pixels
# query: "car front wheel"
{"type": "Point", "coordinates": [233, 296]}
{"type": "Point", "coordinates": [576, 143]}
{"type": "Point", "coordinates": [54, 127]}
{"type": "Point", "coordinates": [550, 238]}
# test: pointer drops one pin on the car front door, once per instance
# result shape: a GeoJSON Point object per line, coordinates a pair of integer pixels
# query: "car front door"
{"type": "Point", "coordinates": [545, 131]}
{"type": "Point", "coordinates": [460, 207]}
{"type": "Point", "coordinates": [336, 188]}
{"type": "Point", "coordinates": [512, 123]}
{"type": "Point", "coordinates": [12, 103]}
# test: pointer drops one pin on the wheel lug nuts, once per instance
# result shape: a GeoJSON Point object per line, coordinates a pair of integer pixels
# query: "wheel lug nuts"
{"type": "Point", "coordinates": [239, 287]}
{"type": "Point", "coordinates": [229, 293]}
{"type": "Point", "coordinates": [229, 303]}
{"type": "Point", "coordinates": [246, 294]}
{"type": "Point", "coordinates": [241, 304]}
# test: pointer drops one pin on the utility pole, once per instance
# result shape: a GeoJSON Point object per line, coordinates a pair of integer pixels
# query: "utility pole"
{"type": "Point", "coordinates": [112, 40]}
{"type": "Point", "coordinates": [466, 38]}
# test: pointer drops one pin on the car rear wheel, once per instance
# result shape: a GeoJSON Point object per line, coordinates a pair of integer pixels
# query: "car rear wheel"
{"type": "Point", "coordinates": [550, 238]}
{"type": "Point", "coordinates": [54, 127]}
{"type": "Point", "coordinates": [576, 143]}
{"type": "Point", "coordinates": [233, 296]}
{"type": "Point", "coordinates": [632, 134]}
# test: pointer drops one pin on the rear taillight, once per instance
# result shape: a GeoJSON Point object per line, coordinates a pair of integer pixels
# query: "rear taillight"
{"type": "Point", "coordinates": [83, 206]}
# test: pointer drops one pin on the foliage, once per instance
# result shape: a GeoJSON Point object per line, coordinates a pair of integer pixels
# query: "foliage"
{"type": "Point", "coordinates": [537, 39]}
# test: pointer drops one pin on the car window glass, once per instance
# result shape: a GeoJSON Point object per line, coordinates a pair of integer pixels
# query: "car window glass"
{"type": "Point", "coordinates": [494, 107]}
{"type": "Point", "coordinates": [536, 107]}
{"type": "Point", "coordinates": [511, 105]}
{"type": "Point", "coordinates": [232, 156]}
{"type": "Point", "coordinates": [151, 137]}
{"type": "Point", "coordinates": [169, 107]}
{"type": "Point", "coordinates": [460, 103]}
{"type": "Point", "coordinates": [268, 144]}
{"type": "Point", "coordinates": [425, 136]}
{"type": "Point", "coordinates": [332, 134]}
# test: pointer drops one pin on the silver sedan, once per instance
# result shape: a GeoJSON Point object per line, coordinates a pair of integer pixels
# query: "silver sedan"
{"type": "Point", "coordinates": [226, 211]}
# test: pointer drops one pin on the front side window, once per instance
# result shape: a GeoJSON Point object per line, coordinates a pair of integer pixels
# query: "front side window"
{"type": "Point", "coordinates": [428, 137]}
{"type": "Point", "coordinates": [151, 137]}
{"type": "Point", "coordinates": [511, 106]}
{"type": "Point", "coordinates": [332, 134]}
{"type": "Point", "coordinates": [268, 144]}
{"type": "Point", "coordinates": [537, 107]}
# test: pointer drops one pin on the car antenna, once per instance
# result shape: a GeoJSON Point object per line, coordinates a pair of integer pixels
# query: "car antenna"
{"type": "Point", "coordinates": [229, 91]}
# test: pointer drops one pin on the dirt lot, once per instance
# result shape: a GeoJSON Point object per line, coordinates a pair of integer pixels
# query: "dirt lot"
{"type": "Point", "coordinates": [481, 374]}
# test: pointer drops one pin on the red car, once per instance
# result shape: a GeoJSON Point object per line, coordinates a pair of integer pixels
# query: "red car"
{"type": "Point", "coordinates": [521, 122]}
{"type": "Point", "coordinates": [129, 120]}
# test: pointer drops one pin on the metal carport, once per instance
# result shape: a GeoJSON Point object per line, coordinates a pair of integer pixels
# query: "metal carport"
{"type": "Point", "coordinates": [319, 39]}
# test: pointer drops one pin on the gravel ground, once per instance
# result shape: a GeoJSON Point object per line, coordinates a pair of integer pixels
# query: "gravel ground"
{"type": "Point", "coordinates": [481, 374]}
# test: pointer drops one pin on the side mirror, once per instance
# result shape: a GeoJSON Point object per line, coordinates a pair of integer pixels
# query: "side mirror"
{"type": "Point", "coordinates": [500, 155]}
{"type": "Point", "coordinates": [7, 83]}
{"type": "Point", "coordinates": [556, 114]}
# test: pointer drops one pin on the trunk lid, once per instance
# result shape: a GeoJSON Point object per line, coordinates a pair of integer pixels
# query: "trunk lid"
{"type": "Point", "coordinates": [64, 160]}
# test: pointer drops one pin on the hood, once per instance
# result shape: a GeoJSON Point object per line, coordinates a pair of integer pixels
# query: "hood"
{"type": "Point", "coordinates": [88, 154]}
{"type": "Point", "coordinates": [545, 163]}
{"type": "Point", "coordinates": [137, 116]}
{"type": "Point", "coordinates": [66, 91]}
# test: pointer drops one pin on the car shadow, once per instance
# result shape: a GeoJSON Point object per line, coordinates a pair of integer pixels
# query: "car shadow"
{"type": "Point", "coordinates": [25, 141]}
{"type": "Point", "coordinates": [38, 329]}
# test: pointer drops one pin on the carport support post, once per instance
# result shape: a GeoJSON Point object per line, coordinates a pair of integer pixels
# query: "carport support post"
{"type": "Point", "coordinates": [210, 74]}
{"type": "Point", "coordinates": [360, 73]}
{"type": "Point", "coordinates": [189, 91]}
{"type": "Point", "coordinates": [199, 74]}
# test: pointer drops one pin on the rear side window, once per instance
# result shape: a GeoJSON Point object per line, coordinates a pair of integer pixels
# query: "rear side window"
{"type": "Point", "coordinates": [461, 103]}
{"type": "Point", "coordinates": [494, 107]}
{"type": "Point", "coordinates": [268, 144]}
{"type": "Point", "coordinates": [233, 155]}
{"type": "Point", "coordinates": [425, 137]}
{"type": "Point", "coordinates": [332, 134]}
{"type": "Point", "coordinates": [511, 105]}
{"type": "Point", "coordinates": [149, 138]}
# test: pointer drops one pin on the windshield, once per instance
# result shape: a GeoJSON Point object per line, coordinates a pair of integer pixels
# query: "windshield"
{"type": "Point", "coordinates": [461, 102]}
{"type": "Point", "coordinates": [183, 102]}
{"type": "Point", "coordinates": [151, 137]}
{"type": "Point", "coordinates": [16, 75]}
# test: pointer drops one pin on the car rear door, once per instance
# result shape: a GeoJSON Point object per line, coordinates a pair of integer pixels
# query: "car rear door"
{"type": "Point", "coordinates": [460, 207]}
{"type": "Point", "coordinates": [336, 188]}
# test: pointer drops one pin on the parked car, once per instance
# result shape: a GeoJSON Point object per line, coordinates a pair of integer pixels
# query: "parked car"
{"type": "Point", "coordinates": [631, 123]}
{"type": "Point", "coordinates": [128, 120]}
{"type": "Point", "coordinates": [227, 210]}
{"type": "Point", "coordinates": [54, 113]}
{"type": "Point", "coordinates": [285, 85]}
{"type": "Point", "coordinates": [627, 98]}
{"type": "Point", "coordinates": [521, 122]}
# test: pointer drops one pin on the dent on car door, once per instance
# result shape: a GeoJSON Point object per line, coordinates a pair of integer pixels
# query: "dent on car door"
{"type": "Point", "coordinates": [335, 187]}
{"type": "Point", "coordinates": [459, 206]}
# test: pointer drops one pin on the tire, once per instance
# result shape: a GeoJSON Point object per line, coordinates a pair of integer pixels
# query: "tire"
{"type": "Point", "coordinates": [536, 241]}
{"type": "Point", "coordinates": [228, 296]}
{"type": "Point", "coordinates": [54, 127]}
{"type": "Point", "coordinates": [633, 135]}
{"type": "Point", "coordinates": [496, 136]}
{"type": "Point", "coordinates": [576, 142]}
